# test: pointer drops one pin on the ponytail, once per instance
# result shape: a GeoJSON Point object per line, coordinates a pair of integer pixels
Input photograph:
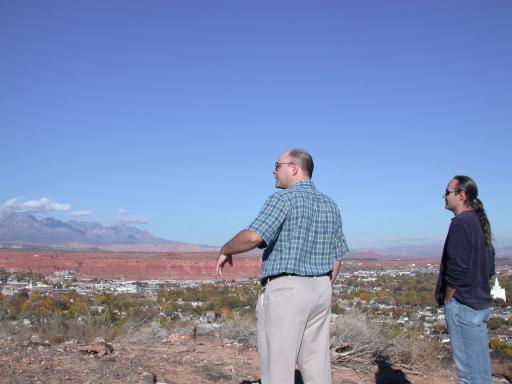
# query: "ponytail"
{"type": "Point", "coordinates": [484, 221]}
{"type": "Point", "coordinates": [468, 185]}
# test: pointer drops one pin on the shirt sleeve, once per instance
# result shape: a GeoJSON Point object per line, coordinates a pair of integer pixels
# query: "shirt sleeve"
{"type": "Point", "coordinates": [459, 251]}
{"type": "Point", "coordinates": [270, 219]}
{"type": "Point", "coordinates": [340, 243]}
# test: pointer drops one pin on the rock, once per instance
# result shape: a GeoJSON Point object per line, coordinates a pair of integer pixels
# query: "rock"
{"type": "Point", "coordinates": [148, 378]}
{"type": "Point", "coordinates": [99, 348]}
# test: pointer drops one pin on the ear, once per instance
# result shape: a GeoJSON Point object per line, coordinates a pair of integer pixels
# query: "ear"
{"type": "Point", "coordinates": [295, 169]}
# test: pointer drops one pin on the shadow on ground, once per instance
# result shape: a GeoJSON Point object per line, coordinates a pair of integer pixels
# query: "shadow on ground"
{"type": "Point", "coordinates": [385, 375]}
{"type": "Point", "coordinates": [388, 375]}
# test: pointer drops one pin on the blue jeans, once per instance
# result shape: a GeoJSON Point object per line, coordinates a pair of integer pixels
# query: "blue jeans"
{"type": "Point", "coordinates": [467, 328]}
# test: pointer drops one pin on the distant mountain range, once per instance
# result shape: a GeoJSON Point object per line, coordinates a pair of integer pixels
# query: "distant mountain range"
{"type": "Point", "coordinates": [432, 248]}
{"type": "Point", "coordinates": [23, 229]}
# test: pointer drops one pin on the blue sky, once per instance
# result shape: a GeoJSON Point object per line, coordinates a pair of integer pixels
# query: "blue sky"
{"type": "Point", "coordinates": [168, 115]}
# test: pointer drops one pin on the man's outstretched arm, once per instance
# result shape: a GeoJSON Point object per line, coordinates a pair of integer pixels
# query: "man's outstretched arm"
{"type": "Point", "coordinates": [243, 241]}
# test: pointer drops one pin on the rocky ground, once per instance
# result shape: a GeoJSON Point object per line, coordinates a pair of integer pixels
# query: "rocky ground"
{"type": "Point", "coordinates": [149, 356]}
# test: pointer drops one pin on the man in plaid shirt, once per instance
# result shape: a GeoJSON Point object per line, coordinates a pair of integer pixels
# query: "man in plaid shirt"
{"type": "Point", "coordinates": [300, 231]}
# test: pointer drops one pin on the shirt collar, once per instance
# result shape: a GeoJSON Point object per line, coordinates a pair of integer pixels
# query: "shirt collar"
{"type": "Point", "coordinates": [464, 213]}
{"type": "Point", "coordinates": [304, 184]}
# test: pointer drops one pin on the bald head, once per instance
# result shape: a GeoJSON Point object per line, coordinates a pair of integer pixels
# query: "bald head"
{"type": "Point", "coordinates": [303, 159]}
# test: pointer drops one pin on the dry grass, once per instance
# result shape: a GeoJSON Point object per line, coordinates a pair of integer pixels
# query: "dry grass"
{"type": "Point", "coordinates": [414, 351]}
{"type": "Point", "coordinates": [58, 330]}
{"type": "Point", "coordinates": [357, 342]}
{"type": "Point", "coordinates": [240, 329]}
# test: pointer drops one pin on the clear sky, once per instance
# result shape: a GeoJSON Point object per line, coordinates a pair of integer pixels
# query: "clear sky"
{"type": "Point", "coordinates": [168, 114]}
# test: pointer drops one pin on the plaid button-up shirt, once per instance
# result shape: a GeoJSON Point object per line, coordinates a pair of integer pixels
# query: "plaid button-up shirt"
{"type": "Point", "coordinates": [302, 233]}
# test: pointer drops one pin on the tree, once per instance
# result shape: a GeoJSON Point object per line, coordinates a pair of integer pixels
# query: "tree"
{"type": "Point", "coordinates": [18, 304]}
{"type": "Point", "coordinates": [496, 322]}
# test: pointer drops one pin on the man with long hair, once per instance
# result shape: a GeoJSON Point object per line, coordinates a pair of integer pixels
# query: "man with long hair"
{"type": "Point", "coordinates": [463, 285]}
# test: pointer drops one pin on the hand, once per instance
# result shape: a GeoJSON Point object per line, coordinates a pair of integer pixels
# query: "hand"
{"type": "Point", "coordinates": [448, 294]}
{"type": "Point", "coordinates": [221, 261]}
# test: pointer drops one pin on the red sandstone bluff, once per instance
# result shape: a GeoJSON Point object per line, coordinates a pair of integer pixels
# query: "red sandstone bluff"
{"type": "Point", "coordinates": [128, 265]}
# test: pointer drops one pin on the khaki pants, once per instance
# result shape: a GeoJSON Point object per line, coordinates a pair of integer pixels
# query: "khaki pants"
{"type": "Point", "coordinates": [293, 315]}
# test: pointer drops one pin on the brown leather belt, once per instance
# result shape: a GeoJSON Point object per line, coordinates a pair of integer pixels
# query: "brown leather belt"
{"type": "Point", "coordinates": [265, 280]}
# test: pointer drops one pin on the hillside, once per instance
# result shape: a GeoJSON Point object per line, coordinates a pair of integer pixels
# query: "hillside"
{"type": "Point", "coordinates": [153, 355]}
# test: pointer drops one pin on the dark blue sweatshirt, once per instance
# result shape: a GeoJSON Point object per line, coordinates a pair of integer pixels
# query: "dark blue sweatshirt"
{"type": "Point", "coordinates": [467, 263]}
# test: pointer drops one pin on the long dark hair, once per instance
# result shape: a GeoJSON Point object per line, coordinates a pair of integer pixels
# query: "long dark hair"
{"type": "Point", "coordinates": [468, 185]}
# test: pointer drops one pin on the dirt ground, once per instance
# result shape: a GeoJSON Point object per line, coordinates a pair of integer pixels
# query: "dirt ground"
{"type": "Point", "coordinates": [163, 360]}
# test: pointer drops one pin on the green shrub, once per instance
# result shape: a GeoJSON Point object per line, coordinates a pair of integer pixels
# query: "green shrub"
{"type": "Point", "coordinates": [501, 346]}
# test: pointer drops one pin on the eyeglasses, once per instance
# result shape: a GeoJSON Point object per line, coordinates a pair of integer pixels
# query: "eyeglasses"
{"type": "Point", "coordinates": [447, 192]}
{"type": "Point", "coordinates": [278, 165]}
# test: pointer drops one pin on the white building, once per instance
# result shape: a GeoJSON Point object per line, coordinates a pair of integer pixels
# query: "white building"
{"type": "Point", "coordinates": [498, 292]}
